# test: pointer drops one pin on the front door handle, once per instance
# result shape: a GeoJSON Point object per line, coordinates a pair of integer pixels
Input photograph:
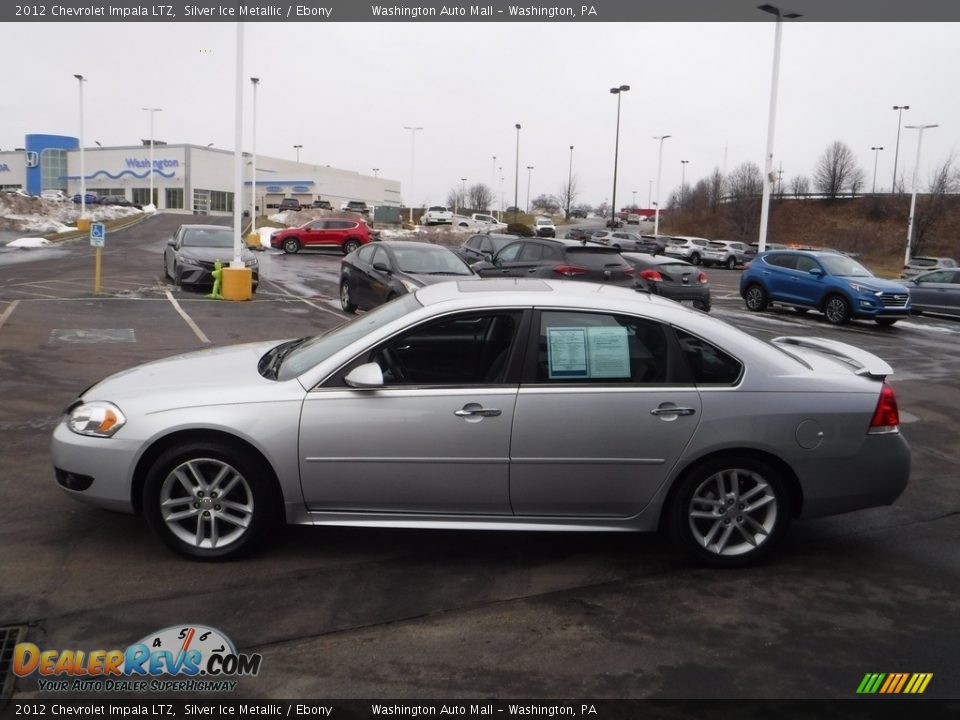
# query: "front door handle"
{"type": "Point", "coordinates": [477, 411]}
{"type": "Point", "coordinates": [672, 410]}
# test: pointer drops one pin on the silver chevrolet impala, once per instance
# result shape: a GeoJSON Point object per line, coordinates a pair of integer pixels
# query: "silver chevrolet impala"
{"type": "Point", "coordinates": [502, 405]}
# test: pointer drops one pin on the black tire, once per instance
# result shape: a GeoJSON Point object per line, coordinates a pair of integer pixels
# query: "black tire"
{"type": "Point", "coordinates": [695, 258]}
{"type": "Point", "coordinates": [166, 272]}
{"type": "Point", "coordinates": [737, 524]}
{"type": "Point", "coordinates": [248, 494]}
{"type": "Point", "coordinates": [350, 245]}
{"type": "Point", "coordinates": [291, 245]}
{"type": "Point", "coordinates": [731, 263]}
{"type": "Point", "coordinates": [886, 322]}
{"type": "Point", "coordinates": [345, 298]}
{"type": "Point", "coordinates": [755, 298]}
{"type": "Point", "coordinates": [837, 309]}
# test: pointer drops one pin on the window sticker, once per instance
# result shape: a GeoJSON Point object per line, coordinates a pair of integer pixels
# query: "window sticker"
{"type": "Point", "coordinates": [588, 352]}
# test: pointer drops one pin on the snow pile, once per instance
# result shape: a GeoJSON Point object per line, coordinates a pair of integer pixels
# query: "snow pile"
{"type": "Point", "coordinates": [38, 223]}
{"type": "Point", "coordinates": [28, 243]}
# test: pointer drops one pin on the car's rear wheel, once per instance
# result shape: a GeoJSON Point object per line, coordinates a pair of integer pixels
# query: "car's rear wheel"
{"type": "Point", "coordinates": [886, 322]}
{"type": "Point", "coordinates": [837, 310]}
{"type": "Point", "coordinates": [350, 245]}
{"type": "Point", "coordinates": [731, 511]}
{"type": "Point", "coordinates": [695, 258]}
{"type": "Point", "coordinates": [755, 298]}
{"type": "Point", "coordinates": [345, 302]}
{"type": "Point", "coordinates": [731, 263]}
{"type": "Point", "coordinates": [291, 245]}
{"type": "Point", "coordinates": [208, 500]}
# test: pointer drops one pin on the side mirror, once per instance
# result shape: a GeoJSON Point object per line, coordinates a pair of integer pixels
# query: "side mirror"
{"type": "Point", "coordinates": [487, 257]}
{"type": "Point", "coordinates": [368, 375]}
{"type": "Point", "coordinates": [172, 242]}
{"type": "Point", "coordinates": [382, 267]}
{"type": "Point", "coordinates": [816, 272]}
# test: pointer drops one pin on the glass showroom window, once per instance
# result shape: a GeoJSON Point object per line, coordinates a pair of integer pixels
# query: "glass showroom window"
{"type": "Point", "coordinates": [53, 169]}
{"type": "Point", "coordinates": [174, 198]}
{"type": "Point", "coordinates": [221, 201]}
{"type": "Point", "coordinates": [141, 196]}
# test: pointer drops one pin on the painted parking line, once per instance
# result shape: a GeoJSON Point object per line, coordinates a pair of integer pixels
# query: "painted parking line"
{"type": "Point", "coordinates": [186, 318]}
{"type": "Point", "coordinates": [8, 312]}
{"type": "Point", "coordinates": [286, 293]}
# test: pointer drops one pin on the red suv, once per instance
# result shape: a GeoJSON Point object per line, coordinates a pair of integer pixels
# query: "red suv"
{"type": "Point", "coordinates": [347, 235]}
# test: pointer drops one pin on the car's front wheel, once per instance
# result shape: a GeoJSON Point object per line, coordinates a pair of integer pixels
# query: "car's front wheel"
{"type": "Point", "coordinates": [695, 258]}
{"type": "Point", "coordinates": [755, 298]}
{"type": "Point", "coordinates": [291, 245]}
{"type": "Point", "coordinates": [350, 245]}
{"type": "Point", "coordinates": [730, 511]}
{"type": "Point", "coordinates": [731, 263]}
{"type": "Point", "coordinates": [837, 310]}
{"type": "Point", "coordinates": [345, 302]}
{"type": "Point", "coordinates": [208, 500]}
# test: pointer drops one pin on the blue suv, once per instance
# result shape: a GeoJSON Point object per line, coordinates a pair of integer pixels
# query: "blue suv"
{"type": "Point", "coordinates": [838, 286]}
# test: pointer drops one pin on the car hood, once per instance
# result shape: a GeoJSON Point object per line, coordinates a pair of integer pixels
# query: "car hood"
{"type": "Point", "coordinates": [210, 254]}
{"type": "Point", "coordinates": [208, 371]}
{"type": "Point", "coordinates": [879, 284]}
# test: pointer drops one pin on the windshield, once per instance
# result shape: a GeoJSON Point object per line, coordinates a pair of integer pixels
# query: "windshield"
{"type": "Point", "coordinates": [843, 266]}
{"type": "Point", "coordinates": [320, 347]}
{"type": "Point", "coordinates": [209, 238]}
{"type": "Point", "coordinates": [430, 261]}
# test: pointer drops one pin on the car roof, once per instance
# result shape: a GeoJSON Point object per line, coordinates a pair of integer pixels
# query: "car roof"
{"type": "Point", "coordinates": [657, 259]}
{"type": "Point", "coordinates": [206, 227]}
{"type": "Point", "coordinates": [411, 243]}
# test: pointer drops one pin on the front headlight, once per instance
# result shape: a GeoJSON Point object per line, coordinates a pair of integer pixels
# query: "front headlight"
{"type": "Point", "coordinates": [860, 287]}
{"type": "Point", "coordinates": [252, 262]}
{"type": "Point", "coordinates": [96, 419]}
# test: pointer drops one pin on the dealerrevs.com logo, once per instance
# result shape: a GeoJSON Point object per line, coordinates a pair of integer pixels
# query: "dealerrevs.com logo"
{"type": "Point", "coordinates": [201, 659]}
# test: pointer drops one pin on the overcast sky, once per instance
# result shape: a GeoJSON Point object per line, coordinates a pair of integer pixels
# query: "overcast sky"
{"type": "Point", "coordinates": [345, 92]}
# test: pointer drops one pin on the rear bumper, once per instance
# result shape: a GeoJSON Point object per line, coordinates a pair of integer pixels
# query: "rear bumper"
{"type": "Point", "coordinates": [700, 296]}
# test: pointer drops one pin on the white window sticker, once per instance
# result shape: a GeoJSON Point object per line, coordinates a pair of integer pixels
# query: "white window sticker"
{"type": "Point", "coordinates": [588, 352]}
{"type": "Point", "coordinates": [567, 352]}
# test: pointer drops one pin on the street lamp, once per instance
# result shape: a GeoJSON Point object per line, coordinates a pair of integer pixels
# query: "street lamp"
{"type": "Point", "coordinates": [876, 155]}
{"type": "Point", "coordinates": [500, 217]}
{"type": "Point", "coordinates": [151, 111]}
{"type": "Point", "coordinates": [570, 183]}
{"type": "Point", "coordinates": [462, 197]}
{"type": "Point", "coordinates": [683, 182]}
{"type": "Point", "coordinates": [493, 179]}
{"type": "Point", "coordinates": [634, 205]}
{"type": "Point", "coordinates": [913, 198]}
{"type": "Point", "coordinates": [83, 175]}
{"type": "Point", "coordinates": [253, 162]}
{"type": "Point", "coordinates": [529, 173]}
{"type": "Point", "coordinates": [618, 91]}
{"type": "Point", "coordinates": [297, 148]}
{"type": "Point", "coordinates": [650, 195]}
{"type": "Point", "coordinates": [375, 171]}
{"type": "Point", "coordinates": [413, 150]}
{"type": "Point", "coordinates": [516, 175]}
{"type": "Point", "coordinates": [896, 152]}
{"type": "Point", "coordinates": [656, 215]}
{"type": "Point", "coordinates": [772, 120]}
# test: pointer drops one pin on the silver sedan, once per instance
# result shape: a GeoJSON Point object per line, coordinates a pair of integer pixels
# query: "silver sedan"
{"type": "Point", "coordinates": [505, 404]}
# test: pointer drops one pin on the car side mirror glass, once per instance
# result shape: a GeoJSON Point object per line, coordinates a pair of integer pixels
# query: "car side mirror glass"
{"type": "Point", "coordinates": [487, 257]}
{"type": "Point", "coordinates": [816, 272]}
{"type": "Point", "coordinates": [368, 375]}
{"type": "Point", "coordinates": [172, 242]}
{"type": "Point", "coordinates": [382, 267]}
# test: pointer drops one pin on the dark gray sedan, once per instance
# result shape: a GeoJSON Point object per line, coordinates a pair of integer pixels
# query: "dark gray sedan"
{"type": "Point", "coordinates": [672, 278]}
{"type": "Point", "coordinates": [191, 254]}
{"type": "Point", "coordinates": [937, 291]}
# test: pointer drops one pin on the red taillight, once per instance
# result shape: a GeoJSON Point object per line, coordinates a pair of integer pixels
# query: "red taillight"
{"type": "Point", "coordinates": [886, 418]}
{"type": "Point", "coordinates": [652, 276]}
{"type": "Point", "coordinates": [570, 270]}
{"type": "Point", "coordinates": [702, 278]}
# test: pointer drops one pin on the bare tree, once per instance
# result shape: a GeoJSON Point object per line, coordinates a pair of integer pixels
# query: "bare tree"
{"type": "Point", "coordinates": [931, 207]}
{"type": "Point", "coordinates": [568, 196]}
{"type": "Point", "coordinates": [717, 185]}
{"type": "Point", "coordinates": [547, 204]}
{"type": "Point", "coordinates": [836, 170]}
{"type": "Point", "coordinates": [744, 186]}
{"type": "Point", "coordinates": [800, 185]}
{"type": "Point", "coordinates": [699, 197]}
{"type": "Point", "coordinates": [456, 197]}
{"type": "Point", "coordinates": [480, 197]}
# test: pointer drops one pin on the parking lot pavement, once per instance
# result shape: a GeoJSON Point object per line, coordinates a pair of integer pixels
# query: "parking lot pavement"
{"type": "Point", "coordinates": [354, 612]}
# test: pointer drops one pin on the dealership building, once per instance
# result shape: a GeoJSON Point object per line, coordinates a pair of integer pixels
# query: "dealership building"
{"type": "Point", "coordinates": [190, 178]}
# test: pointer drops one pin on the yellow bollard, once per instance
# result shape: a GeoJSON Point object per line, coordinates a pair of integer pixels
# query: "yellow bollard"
{"type": "Point", "coordinates": [83, 224]}
{"type": "Point", "coordinates": [253, 241]}
{"type": "Point", "coordinates": [237, 283]}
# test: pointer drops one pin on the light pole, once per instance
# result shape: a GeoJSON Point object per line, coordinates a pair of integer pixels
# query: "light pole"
{"type": "Point", "coordinates": [413, 152]}
{"type": "Point", "coordinates": [913, 198]}
{"type": "Point", "coordinates": [656, 215]}
{"type": "Point", "coordinates": [650, 195]}
{"type": "Point", "coordinates": [253, 161]}
{"type": "Point", "coordinates": [516, 175]}
{"type": "Point", "coordinates": [683, 183]}
{"type": "Point", "coordinates": [529, 173]}
{"type": "Point", "coordinates": [876, 155]}
{"type": "Point", "coordinates": [375, 171]}
{"type": "Point", "coordinates": [896, 152]}
{"type": "Point", "coordinates": [502, 203]}
{"type": "Point", "coordinates": [297, 148]}
{"type": "Point", "coordinates": [772, 120]}
{"type": "Point", "coordinates": [151, 111]}
{"type": "Point", "coordinates": [83, 175]}
{"type": "Point", "coordinates": [618, 91]}
{"type": "Point", "coordinates": [493, 180]}
{"type": "Point", "coordinates": [634, 199]}
{"type": "Point", "coordinates": [461, 198]}
{"type": "Point", "coordinates": [570, 184]}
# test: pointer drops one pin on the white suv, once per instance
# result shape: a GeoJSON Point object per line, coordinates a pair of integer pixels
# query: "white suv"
{"type": "Point", "coordinates": [724, 252]}
{"type": "Point", "coordinates": [686, 247]}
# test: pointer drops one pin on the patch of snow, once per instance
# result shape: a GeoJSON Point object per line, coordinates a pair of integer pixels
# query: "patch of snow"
{"type": "Point", "coordinates": [39, 223]}
{"type": "Point", "coordinates": [28, 243]}
{"type": "Point", "coordinates": [151, 208]}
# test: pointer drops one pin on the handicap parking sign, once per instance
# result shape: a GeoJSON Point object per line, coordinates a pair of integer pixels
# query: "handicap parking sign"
{"type": "Point", "coordinates": [98, 233]}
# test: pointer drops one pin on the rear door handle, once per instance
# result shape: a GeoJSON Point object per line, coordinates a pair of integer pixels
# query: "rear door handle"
{"type": "Point", "coordinates": [477, 412]}
{"type": "Point", "coordinates": [672, 410]}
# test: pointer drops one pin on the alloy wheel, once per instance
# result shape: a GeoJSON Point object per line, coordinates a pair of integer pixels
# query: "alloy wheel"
{"type": "Point", "coordinates": [732, 512]}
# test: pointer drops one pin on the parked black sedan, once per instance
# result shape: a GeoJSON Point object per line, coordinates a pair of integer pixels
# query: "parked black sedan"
{"type": "Point", "coordinates": [190, 255]}
{"type": "Point", "coordinates": [482, 246]}
{"type": "Point", "coordinates": [671, 278]}
{"type": "Point", "coordinates": [379, 272]}
{"type": "Point", "coordinates": [559, 259]}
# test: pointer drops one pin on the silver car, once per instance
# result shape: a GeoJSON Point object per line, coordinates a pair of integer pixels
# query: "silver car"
{"type": "Point", "coordinates": [506, 404]}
